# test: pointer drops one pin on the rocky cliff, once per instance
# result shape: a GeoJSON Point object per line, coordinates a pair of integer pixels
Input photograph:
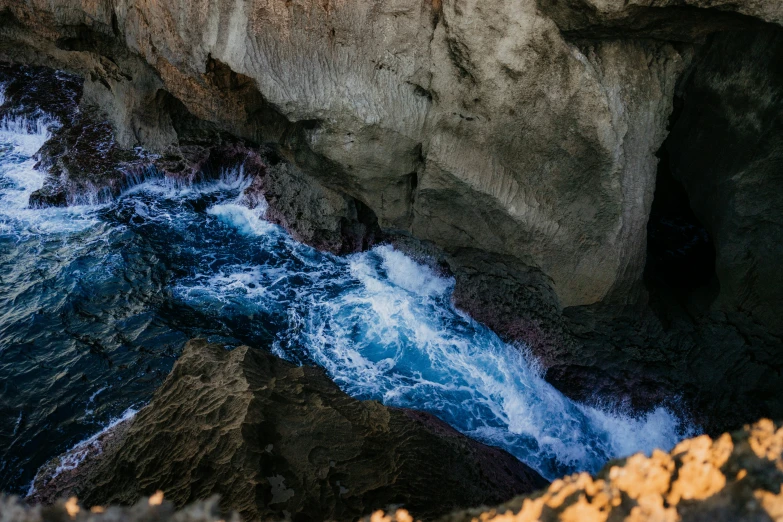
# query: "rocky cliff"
{"type": "Point", "coordinates": [736, 477]}
{"type": "Point", "coordinates": [279, 441]}
{"type": "Point", "coordinates": [518, 141]}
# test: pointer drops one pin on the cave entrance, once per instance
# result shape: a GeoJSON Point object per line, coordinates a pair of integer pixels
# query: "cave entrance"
{"type": "Point", "coordinates": [680, 252]}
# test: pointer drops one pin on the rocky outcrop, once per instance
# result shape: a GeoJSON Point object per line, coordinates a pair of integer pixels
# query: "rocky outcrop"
{"type": "Point", "coordinates": [736, 477]}
{"type": "Point", "coordinates": [511, 140]}
{"type": "Point", "coordinates": [275, 440]}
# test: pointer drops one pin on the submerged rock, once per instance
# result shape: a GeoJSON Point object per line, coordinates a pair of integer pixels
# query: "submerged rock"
{"type": "Point", "coordinates": [276, 440]}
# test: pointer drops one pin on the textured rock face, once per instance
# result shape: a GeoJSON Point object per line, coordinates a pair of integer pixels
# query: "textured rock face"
{"type": "Point", "coordinates": [651, 16]}
{"type": "Point", "coordinates": [469, 124]}
{"type": "Point", "coordinates": [736, 477]}
{"type": "Point", "coordinates": [273, 439]}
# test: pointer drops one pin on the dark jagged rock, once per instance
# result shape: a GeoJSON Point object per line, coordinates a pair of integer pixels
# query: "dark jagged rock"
{"type": "Point", "coordinates": [734, 478]}
{"type": "Point", "coordinates": [31, 91]}
{"type": "Point", "coordinates": [277, 440]}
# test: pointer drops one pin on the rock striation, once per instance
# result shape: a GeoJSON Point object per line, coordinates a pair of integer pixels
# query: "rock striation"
{"type": "Point", "coordinates": [512, 140]}
{"type": "Point", "coordinates": [278, 441]}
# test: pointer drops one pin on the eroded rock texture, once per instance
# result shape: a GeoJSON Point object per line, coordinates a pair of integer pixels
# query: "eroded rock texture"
{"type": "Point", "coordinates": [469, 124]}
{"type": "Point", "coordinates": [276, 440]}
{"type": "Point", "coordinates": [736, 477]}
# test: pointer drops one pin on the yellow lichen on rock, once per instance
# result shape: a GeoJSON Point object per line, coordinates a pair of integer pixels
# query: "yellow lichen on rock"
{"type": "Point", "coordinates": [736, 477]}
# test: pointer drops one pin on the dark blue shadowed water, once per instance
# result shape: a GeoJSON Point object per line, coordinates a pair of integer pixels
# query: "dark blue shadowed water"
{"type": "Point", "coordinates": [97, 301]}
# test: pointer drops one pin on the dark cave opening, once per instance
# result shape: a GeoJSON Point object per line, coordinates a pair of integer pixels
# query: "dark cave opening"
{"type": "Point", "coordinates": [680, 252]}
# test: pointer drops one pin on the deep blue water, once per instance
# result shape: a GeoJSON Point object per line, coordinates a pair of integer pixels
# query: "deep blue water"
{"type": "Point", "coordinates": [96, 302]}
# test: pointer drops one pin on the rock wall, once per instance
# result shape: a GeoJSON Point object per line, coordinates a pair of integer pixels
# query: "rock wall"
{"type": "Point", "coordinates": [463, 123]}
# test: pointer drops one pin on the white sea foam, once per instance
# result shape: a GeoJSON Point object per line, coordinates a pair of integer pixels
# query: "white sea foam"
{"type": "Point", "coordinates": [25, 135]}
{"type": "Point", "coordinates": [73, 458]}
{"type": "Point", "coordinates": [245, 220]}
{"type": "Point", "coordinates": [233, 179]}
{"type": "Point", "coordinates": [397, 339]}
{"type": "Point", "coordinates": [391, 333]}
{"type": "Point", "coordinates": [20, 139]}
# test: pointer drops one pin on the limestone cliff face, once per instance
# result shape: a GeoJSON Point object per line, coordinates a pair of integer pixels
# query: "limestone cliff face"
{"type": "Point", "coordinates": [469, 124]}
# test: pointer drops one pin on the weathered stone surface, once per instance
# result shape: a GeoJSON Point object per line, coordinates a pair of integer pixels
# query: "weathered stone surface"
{"type": "Point", "coordinates": [736, 477]}
{"type": "Point", "coordinates": [272, 438]}
{"type": "Point", "coordinates": [466, 123]}
{"type": "Point", "coordinates": [669, 19]}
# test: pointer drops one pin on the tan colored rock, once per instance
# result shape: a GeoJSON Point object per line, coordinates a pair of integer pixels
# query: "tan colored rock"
{"type": "Point", "coordinates": [466, 123]}
{"type": "Point", "coordinates": [737, 477]}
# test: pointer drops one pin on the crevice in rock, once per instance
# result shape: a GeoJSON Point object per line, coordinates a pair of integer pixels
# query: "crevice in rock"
{"type": "Point", "coordinates": [578, 19]}
{"type": "Point", "coordinates": [680, 251]}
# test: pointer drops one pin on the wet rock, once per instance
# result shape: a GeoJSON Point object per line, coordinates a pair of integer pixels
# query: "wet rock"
{"type": "Point", "coordinates": [35, 92]}
{"type": "Point", "coordinates": [277, 440]}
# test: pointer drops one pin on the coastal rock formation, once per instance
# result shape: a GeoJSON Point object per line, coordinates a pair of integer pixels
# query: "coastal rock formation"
{"type": "Point", "coordinates": [519, 141]}
{"type": "Point", "coordinates": [735, 478]}
{"type": "Point", "coordinates": [511, 140]}
{"type": "Point", "coordinates": [275, 440]}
